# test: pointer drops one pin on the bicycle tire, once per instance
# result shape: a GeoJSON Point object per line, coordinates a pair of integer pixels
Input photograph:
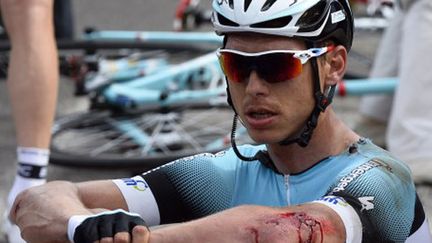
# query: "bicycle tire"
{"type": "Point", "coordinates": [63, 19]}
{"type": "Point", "coordinates": [66, 155]}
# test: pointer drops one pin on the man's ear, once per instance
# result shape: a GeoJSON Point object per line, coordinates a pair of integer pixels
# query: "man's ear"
{"type": "Point", "coordinates": [335, 62]}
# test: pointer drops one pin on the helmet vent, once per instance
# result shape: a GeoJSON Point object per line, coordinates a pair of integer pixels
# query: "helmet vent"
{"type": "Point", "coordinates": [274, 23]}
{"type": "Point", "coordinates": [246, 5]}
{"type": "Point", "coordinates": [231, 4]}
{"type": "Point", "coordinates": [313, 15]}
{"type": "Point", "coordinates": [225, 21]}
{"type": "Point", "coordinates": [267, 5]}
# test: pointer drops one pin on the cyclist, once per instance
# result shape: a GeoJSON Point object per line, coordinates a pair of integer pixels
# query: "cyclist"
{"type": "Point", "coordinates": [32, 85]}
{"type": "Point", "coordinates": [312, 180]}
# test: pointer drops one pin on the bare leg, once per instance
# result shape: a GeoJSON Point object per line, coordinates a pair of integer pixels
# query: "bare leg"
{"type": "Point", "coordinates": [32, 85]}
{"type": "Point", "coordinates": [33, 74]}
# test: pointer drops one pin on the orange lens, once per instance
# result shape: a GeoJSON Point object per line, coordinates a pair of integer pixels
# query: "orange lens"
{"type": "Point", "coordinates": [272, 67]}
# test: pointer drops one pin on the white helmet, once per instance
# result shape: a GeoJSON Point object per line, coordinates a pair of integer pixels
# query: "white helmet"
{"type": "Point", "coordinates": [312, 20]}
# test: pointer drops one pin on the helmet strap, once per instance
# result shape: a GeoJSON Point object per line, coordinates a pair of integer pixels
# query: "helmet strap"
{"type": "Point", "coordinates": [321, 103]}
{"type": "Point", "coordinates": [262, 155]}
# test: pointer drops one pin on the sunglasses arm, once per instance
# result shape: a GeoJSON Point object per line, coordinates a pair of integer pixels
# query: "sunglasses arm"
{"type": "Point", "coordinates": [305, 55]}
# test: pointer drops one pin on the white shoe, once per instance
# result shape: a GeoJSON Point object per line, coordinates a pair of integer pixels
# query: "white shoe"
{"type": "Point", "coordinates": [11, 231]}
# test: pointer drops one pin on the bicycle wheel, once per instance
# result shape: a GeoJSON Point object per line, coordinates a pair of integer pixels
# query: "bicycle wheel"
{"type": "Point", "coordinates": [63, 19]}
{"type": "Point", "coordinates": [147, 140]}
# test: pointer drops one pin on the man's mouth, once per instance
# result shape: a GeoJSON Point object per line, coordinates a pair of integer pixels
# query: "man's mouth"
{"type": "Point", "coordinates": [260, 117]}
{"type": "Point", "coordinates": [260, 114]}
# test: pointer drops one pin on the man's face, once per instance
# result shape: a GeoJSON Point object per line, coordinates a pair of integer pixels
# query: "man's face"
{"type": "Point", "coordinates": [271, 111]}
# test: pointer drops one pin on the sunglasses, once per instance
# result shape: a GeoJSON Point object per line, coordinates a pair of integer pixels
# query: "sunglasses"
{"type": "Point", "coordinates": [273, 66]}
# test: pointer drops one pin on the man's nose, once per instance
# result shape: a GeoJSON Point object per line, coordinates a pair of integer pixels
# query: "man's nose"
{"type": "Point", "coordinates": [256, 86]}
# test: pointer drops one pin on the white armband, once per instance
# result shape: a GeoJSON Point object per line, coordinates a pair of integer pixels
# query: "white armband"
{"type": "Point", "coordinates": [349, 217]}
{"type": "Point", "coordinates": [139, 198]}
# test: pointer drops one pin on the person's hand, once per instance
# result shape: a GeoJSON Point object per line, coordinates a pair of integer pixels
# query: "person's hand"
{"type": "Point", "coordinates": [108, 226]}
{"type": "Point", "coordinates": [42, 212]}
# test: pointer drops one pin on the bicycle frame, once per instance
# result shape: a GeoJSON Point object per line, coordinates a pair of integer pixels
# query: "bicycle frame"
{"type": "Point", "coordinates": [359, 87]}
{"type": "Point", "coordinates": [124, 69]}
{"type": "Point", "coordinates": [156, 37]}
{"type": "Point", "coordinates": [154, 89]}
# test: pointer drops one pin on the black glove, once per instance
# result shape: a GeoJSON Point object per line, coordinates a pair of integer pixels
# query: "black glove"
{"type": "Point", "coordinates": [106, 224]}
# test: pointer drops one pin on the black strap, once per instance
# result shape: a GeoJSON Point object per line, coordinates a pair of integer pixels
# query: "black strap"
{"type": "Point", "coordinates": [369, 232]}
{"type": "Point", "coordinates": [321, 103]}
{"type": "Point", "coordinates": [32, 171]}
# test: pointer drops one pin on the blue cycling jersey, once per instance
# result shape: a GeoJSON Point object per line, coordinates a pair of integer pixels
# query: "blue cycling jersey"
{"type": "Point", "coordinates": [378, 186]}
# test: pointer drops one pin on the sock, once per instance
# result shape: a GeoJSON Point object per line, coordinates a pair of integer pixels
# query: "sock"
{"type": "Point", "coordinates": [31, 170]}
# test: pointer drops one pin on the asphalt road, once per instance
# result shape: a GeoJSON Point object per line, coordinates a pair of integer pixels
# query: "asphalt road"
{"type": "Point", "coordinates": [120, 15]}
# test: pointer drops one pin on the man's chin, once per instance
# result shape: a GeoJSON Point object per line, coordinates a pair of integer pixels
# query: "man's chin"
{"type": "Point", "coordinates": [267, 137]}
{"type": "Point", "coordinates": [260, 139]}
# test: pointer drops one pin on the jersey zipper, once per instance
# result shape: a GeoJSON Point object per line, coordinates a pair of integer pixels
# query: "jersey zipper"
{"type": "Point", "coordinates": [287, 187]}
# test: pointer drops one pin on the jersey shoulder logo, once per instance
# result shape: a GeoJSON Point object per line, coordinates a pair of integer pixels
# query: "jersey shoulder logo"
{"type": "Point", "coordinates": [366, 203]}
{"type": "Point", "coordinates": [220, 2]}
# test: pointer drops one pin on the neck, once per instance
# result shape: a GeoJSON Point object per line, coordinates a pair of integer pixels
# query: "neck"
{"type": "Point", "coordinates": [330, 137]}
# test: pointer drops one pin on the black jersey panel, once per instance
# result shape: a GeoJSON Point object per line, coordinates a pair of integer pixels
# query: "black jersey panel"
{"type": "Point", "coordinates": [420, 216]}
{"type": "Point", "coordinates": [189, 188]}
{"type": "Point", "coordinates": [171, 208]}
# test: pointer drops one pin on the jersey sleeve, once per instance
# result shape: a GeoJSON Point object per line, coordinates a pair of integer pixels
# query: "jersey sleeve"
{"type": "Point", "coordinates": [383, 195]}
{"type": "Point", "coordinates": [182, 190]}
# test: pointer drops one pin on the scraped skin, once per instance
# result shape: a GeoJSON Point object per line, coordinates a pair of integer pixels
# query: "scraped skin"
{"type": "Point", "coordinates": [256, 224]}
{"type": "Point", "coordinates": [308, 228]}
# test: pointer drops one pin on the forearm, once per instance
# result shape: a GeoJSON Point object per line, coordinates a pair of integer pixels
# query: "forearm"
{"type": "Point", "coordinates": [101, 194]}
{"type": "Point", "coordinates": [45, 210]}
{"type": "Point", "coordinates": [306, 223]}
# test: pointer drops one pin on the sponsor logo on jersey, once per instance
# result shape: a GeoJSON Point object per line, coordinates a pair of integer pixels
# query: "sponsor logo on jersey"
{"type": "Point", "coordinates": [139, 185]}
{"type": "Point", "coordinates": [357, 172]}
{"type": "Point", "coordinates": [189, 158]}
{"type": "Point", "coordinates": [334, 200]}
{"type": "Point", "coordinates": [366, 203]}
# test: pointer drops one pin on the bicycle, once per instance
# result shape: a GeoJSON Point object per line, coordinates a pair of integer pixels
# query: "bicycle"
{"type": "Point", "coordinates": [128, 103]}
